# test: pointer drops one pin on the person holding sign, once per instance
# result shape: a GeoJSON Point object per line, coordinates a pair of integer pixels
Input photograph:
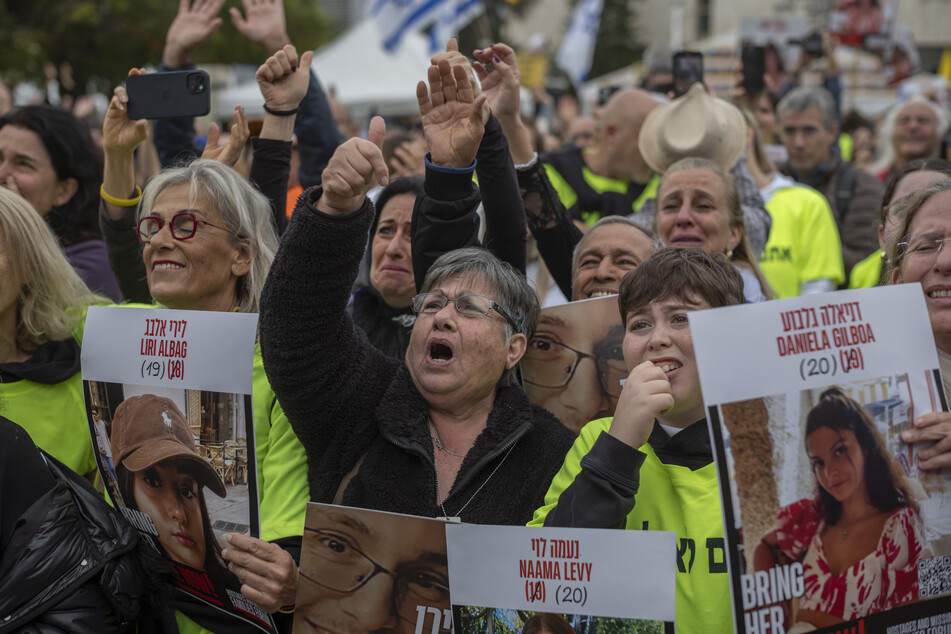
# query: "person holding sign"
{"type": "Point", "coordinates": [447, 432]}
{"type": "Point", "coordinates": [207, 241]}
{"type": "Point", "coordinates": [860, 538]}
{"type": "Point", "coordinates": [918, 256]}
{"type": "Point", "coordinates": [651, 466]}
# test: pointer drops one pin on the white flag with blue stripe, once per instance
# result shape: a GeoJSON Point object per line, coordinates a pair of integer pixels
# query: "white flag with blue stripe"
{"type": "Point", "coordinates": [454, 16]}
{"type": "Point", "coordinates": [577, 48]}
{"type": "Point", "coordinates": [397, 17]}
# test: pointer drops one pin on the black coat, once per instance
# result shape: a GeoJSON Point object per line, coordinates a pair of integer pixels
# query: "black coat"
{"type": "Point", "coordinates": [70, 564]}
{"type": "Point", "coordinates": [349, 403]}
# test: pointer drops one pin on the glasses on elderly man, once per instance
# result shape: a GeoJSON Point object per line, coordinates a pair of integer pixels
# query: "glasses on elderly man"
{"type": "Point", "coordinates": [469, 304]}
{"type": "Point", "coordinates": [344, 568]}
{"type": "Point", "coordinates": [184, 225]}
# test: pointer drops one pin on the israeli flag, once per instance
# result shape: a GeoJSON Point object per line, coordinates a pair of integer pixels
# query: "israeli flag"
{"type": "Point", "coordinates": [577, 48]}
{"type": "Point", "coordinates": [453, 17]}
{"type": "Point", "coordinates": [396, 17]}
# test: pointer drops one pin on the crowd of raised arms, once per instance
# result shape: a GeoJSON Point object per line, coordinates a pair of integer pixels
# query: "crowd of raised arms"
{"type": "Point", "coordinates": [386, 371]}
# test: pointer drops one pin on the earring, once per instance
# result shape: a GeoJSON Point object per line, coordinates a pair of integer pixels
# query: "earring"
{"type": "Point", "coordinates": [729, 254]}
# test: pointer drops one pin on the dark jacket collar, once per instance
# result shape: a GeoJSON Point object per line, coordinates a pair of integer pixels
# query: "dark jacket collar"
{"type": "Point", "coordinates": [688, 448]}
{"type": "Point", "coordinates": [403, 416]}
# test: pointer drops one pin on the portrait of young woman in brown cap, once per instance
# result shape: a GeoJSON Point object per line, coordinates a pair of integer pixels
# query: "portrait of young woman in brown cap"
{"type": "Point", "coordinates": [161, 474]}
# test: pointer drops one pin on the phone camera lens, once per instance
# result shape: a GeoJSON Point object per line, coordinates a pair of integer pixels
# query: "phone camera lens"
{"type": "Point", "coordinates": [196, 83]}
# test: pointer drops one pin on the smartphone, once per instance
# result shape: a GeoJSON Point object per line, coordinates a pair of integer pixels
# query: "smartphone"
{"type": "Point", "coordinates": [688, 70]}
{"type": "Point", "coordinates": [181, 93]}
{"type": "Point", "coordinates": [754, 67]}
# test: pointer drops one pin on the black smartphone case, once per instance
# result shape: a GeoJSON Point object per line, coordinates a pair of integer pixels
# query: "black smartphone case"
{"type": "Point", "coordinates": [169, 95]}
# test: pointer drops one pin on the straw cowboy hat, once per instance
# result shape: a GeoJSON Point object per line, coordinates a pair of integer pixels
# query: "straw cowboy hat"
{"type": "Point", "coordinates": [148, 429]}
{"type": "Point", "coordinates": [695, 125]}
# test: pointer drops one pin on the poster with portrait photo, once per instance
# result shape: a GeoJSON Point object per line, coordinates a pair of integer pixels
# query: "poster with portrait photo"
{"type": "Point", "coordinates": [866, 24]}
{"type": "Point", "coordinates": [830, 521]}
{"type": "Point", "coordinates": [510, 579]}
{"type": "Point", "coordinates": [364, 571]}
{"type": "Point", "coordinates": [168, 396]}
{"type": "Point", "coordinates": [574, 365]}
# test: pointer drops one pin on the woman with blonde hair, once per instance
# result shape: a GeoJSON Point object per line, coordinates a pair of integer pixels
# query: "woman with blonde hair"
{"type": "Point", "coordinates": [42, 305]}
{"type": "Point", "coordinates": [698, 206]}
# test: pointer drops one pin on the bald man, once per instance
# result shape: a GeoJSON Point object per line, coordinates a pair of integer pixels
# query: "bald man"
{"type": "Point", "coordinates": [610, 177]}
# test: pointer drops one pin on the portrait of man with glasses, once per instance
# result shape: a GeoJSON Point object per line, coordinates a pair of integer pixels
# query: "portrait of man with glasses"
{"type": "Point", "coordinates": [368, 571]}
{"type": "Point", "coordinates": [573, 365]}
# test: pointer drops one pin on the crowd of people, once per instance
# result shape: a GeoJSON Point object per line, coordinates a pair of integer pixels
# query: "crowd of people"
{"type": "Point", "coordinates": [399, 285]}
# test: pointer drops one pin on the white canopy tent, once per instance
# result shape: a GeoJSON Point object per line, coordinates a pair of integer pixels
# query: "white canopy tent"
{"type": "Point", "coordinates": [365, 78]}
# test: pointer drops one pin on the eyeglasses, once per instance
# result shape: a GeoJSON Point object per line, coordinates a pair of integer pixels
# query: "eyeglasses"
{"type": "Point", "coordinates": [184, 225]}
{"type": "Point", "coordinates": [551, 364]}
{"type": "Point", "coordinates": [470, 304]}
{"type": "Point", "coordinates": [924, 249]}
{"type": "Point", "coordinates": [345, 568]}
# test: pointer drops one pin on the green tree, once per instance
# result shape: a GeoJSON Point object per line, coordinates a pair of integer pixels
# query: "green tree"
{"type": "Point", "coordinates": [617, 44]}
{"type": "Point", "coordinates": [103, 39]}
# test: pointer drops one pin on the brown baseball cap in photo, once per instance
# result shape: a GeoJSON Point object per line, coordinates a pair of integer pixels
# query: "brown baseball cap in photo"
{"type": "Point", "coordinates": [148, 429]}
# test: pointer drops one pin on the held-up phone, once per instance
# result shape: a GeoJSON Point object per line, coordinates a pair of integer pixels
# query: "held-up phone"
{"type": "Point", "coordinates": [182, 93]}
{"type": "Point", "coordinates": [754, 67]}
{"type": "Point", "coordinates": [688, 70]}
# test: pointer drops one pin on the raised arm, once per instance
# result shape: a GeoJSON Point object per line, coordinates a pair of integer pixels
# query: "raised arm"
{"type": "Point", "coordinates": [453, 123]}
{"type": "Point", "coordinates": [555, 234]}
{"type": "Point", "coordinates": [324, 372]}
{"type": "Point", "coordinates": [283, 80]}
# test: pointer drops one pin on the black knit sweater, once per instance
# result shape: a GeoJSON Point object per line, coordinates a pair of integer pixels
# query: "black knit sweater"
{"type": "Point", "coordinates": [347, 401]}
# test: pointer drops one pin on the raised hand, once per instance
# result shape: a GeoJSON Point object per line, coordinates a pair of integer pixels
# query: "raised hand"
{"type": "Point", "coordinates": [501, 83]}
{"type": "Point", "coordinates": [120, 134]}
{"type": "Point", "coordinates": [646, 393]}
{"type": "Point", "coordinates": [195, 22]}
{"type": "Point", "coordinates": [267, 572]}
{"type": "Point", "coordinates": [355, 167]}
{"type": "Point", "coordinates": [230, 152]}
{"type": "Point", "coordinates": [455, 58]}
{"type": "Point", "coordinates": [453, 118]}
{"type": "Point", "coordinates": [283, 78]}
{"type": "Point", "coordinates": [265, 24]}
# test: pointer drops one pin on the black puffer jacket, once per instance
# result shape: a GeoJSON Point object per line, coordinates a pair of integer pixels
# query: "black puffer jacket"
{"type": "Point", "coordinates": [70, 564]}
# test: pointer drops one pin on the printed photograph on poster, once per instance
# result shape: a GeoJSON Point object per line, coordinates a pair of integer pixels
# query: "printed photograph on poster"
{"type": "Point", "coordinates": [364, 571]}
{"type": "Point", "coordinates": [574, 365]}
{"type": "Point", "coordinates": [831, 522]}
{"type": "Point", "coordinates": [170, 417]}
{"type": "Point", "coordinates": [864, 23]}
{"type": "Point", "coordinates": [514, 579]}
{"type": "Point", "coordinates": [479, 620]}
{"type": "Point", "coordinates": [176, 463]}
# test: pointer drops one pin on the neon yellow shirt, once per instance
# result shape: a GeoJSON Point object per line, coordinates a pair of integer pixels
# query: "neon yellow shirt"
{"type": "Point", "coordinates": [868, 272]}
{"type": "Point", "coordinates": [671, 498]}
{"type": "Point", "coordinates": [803, 242]}
{"type": "Point", "coordinates": [600, 184]}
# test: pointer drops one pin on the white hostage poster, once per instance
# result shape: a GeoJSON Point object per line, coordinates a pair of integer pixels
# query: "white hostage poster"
{"type": "Point", "coordinates": [168, 395]}
{"type": "Point", "coordinates": [574, 365]}
{"type": "Point", "coordinates": [831, 524]}
{"type": "Point", "coordinates": [504, 577]}
{"type": "Point", "coordinates": [371, 571]}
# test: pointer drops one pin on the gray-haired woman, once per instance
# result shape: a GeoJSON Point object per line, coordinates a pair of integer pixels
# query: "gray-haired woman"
{"type": "Point", "coordinates": [443, 433]}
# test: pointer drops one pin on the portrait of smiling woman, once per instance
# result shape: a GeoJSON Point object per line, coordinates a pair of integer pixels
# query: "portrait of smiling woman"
{"type": "Point", "coordinates": [860, 538]}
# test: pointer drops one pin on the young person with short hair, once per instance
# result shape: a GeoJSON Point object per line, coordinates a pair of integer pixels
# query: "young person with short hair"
{"type": "Point", "coordinates": [650, 467]}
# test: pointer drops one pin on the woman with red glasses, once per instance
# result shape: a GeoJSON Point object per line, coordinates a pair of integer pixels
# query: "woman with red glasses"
{"type": "Point", "coordinates": [206, 236]}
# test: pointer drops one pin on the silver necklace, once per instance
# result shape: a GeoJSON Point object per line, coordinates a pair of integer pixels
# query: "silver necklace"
{"type": "Point", "coordinates": [438, 443]}
{"type": "Point", "coordinates": [457, 517]}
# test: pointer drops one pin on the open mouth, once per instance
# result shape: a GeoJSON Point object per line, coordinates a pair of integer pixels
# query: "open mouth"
{"type": "Point", "coordinates": [439, 351]}
{"type": "Point", "coordinates": [594, 294]}
{"type": "Point", "coordinates": [939, 294]}
{"type": "Point", "coordinates": [668, 365]}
